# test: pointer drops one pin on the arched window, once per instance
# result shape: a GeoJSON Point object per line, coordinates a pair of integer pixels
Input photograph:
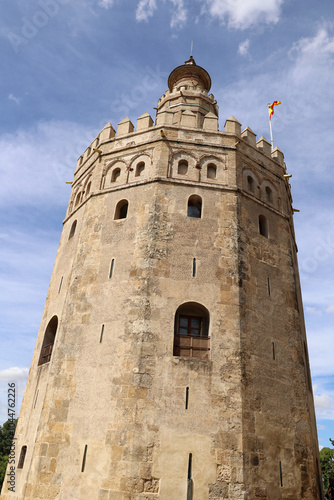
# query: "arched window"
{"type": "Point", "coordinates": [140, 168]}
{"type": "Point", "coordinates": [191, 331]}
{"type": "Point", "coordinates": [77, 200]}
{"type": "Point", "coordinates": [195, 206]}
{"type": "Point", "coordinates": [116, 173]}
{"type": "Point", "coordinates": [182, 167]}
{"type": "Point", "coordinates": [48, 341]}
{"type": "Point", "coordinates": [22, 457]}
{"type": "Point", "coordinates": [121, 211]}
{"type": "Point", "coordinates": [73, 228]}
{"type": "Point", "coordinates": [89, 185]}
{"type": "Point", "coordinates": [263, 226]}
{"type": "Point", "coordinates": [269, 194]}
{"type": "Point", "coordinates": [211, 171]}
{"type": "Point", "coordinates": [250, 184]}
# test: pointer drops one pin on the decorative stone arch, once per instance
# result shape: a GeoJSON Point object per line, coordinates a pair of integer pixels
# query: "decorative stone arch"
{"type": "Point", "coordinates": [187, 159]}
{"type": "Point", "coordinates": [191, 331]}
{"type": "Point", "coordinates": [87, 186]}
{"type": "Point", "coordinates": [268, 193]}
{"type": "Point", "coordinates": [250, 182]}
{"type": "Point", "coordinates": [78, 198]}
{"type": "Point", "coordinates": [109, 173]}
{"type": "Point", "coordinates": [48, 341]}
{"type": "Point", "coordinates": [140, 167]}
{"type": "Point", "coordinates": [213, 169]}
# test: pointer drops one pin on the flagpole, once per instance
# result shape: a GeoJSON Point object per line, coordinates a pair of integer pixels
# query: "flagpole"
{"type": "Point", "coordinates": [271, 129]}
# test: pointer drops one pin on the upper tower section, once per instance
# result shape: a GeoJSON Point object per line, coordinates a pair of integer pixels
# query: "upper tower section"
{"type": "Point", "coordinates": [187, 102]}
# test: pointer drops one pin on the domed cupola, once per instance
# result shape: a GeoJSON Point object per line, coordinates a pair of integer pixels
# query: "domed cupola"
{"type": "Point", "coordinates": [186, 103]}
{"type": "Point", "coordinates": [189, 74]}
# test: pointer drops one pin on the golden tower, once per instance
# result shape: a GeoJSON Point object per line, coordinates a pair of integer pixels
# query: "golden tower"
{"type": "Point", "coordinates": [171, 361]}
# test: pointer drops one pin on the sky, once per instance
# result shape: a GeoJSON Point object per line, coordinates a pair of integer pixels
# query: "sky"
{"type": "Point", "coordinates": [71, 66]}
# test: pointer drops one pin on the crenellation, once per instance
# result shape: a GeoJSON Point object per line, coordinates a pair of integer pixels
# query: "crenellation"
{"type": "Point", "coordinates": [264, 146]}
{"type": "Point", "coordinates": [232, 126]}
{"type": "Point", "coordinates": [278, 156]}
{"type": "Point", "coordinates": [144, 121]}
{"type": "Point", "coordinates": [125, 127]}
{"type": "Point", "coordinates": [210, 122]}
{"type": "Point", "coordinates": [249, 136]}
{"type": "Point", "coordinates": [108, 132]}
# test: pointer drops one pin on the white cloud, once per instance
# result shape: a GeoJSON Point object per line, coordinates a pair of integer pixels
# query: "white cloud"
{"type": "Point", "coordinates": [106, 3]}
{"type": "Point", "coordinates": [312, 310]}
{"type": "Point", "coordinates": [179, 16]}
{"type": "Point", "coordinates": [330, 309]}
{"type": "Point", "coordinates": [322, 44]}
{"type": "Point", "coordinates": [237, 14]}
{"type": "Point", "coordinates": [321, 427]}
{"type": "Point", "coordinates": [14, 374]}
{"type": "Point", "coordinates": [323, 402]}
{"type": "Point", "coordinates": [243, 47]}
{"type": "Point", "coordinates": [241, 14]}
{"type": "Point", "coordinates": [312, 56]}
{"type": "Point", "coordinates": [45, 158]}
{"type": "Point", "coordinates": [12, 97]}
{"type": "Point", "coordinates": [145, 9]}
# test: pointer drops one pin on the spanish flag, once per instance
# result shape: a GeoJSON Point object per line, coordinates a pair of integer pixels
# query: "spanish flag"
{"type": "Point", "coordinates": [271, 108]}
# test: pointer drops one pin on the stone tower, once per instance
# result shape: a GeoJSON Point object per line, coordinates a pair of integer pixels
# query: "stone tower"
{"type": "Point", "coordinates": [171, 361]}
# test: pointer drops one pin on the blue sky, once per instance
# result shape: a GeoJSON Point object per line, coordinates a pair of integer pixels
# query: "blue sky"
{"type": "Point", "coordinates": [70, 66]}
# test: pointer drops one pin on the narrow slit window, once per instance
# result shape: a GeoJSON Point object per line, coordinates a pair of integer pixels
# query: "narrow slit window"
{"type": "Point", "coordinates": [88, 188]}
{"type": "Point", "coordinates": [72, 231]}
{"type": "Point", "coordinates": [48, 341]}
{"type": "Point", "coordinates": [268, 285]}
{"type": "Point", "coordinates": [101, 336]}
{"type": "Point", "coordinates": [187, 397]}
{"type": "Point", "coordinates": [194, 267]}
{"type": "Point", "coordinates": [190, 480]}
{"type": "Point", "coordinates": [274, 353]}
{"type": "Point", "coordinates": [22, 457]}
{"type": "Point", "coordinates": [111, 268]}
{"type": "Point", "coordinates": [250, 184]}
{"type": "Point", "coordinates": [84, 459]}
{"type": "Point", "coordinates": [263, 226]}
{"type": "Point", "coordinates": [61, 282]}
{"type": "Point", "coordinates": [280, 474]}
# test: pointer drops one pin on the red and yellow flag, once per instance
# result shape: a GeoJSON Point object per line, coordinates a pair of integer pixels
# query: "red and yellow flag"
{"type": "Point", "coordinates": [271, 108]}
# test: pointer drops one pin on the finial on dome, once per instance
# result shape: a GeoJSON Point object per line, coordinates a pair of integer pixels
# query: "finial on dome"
{"type": "Point", "coordinates": [191, 60]}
